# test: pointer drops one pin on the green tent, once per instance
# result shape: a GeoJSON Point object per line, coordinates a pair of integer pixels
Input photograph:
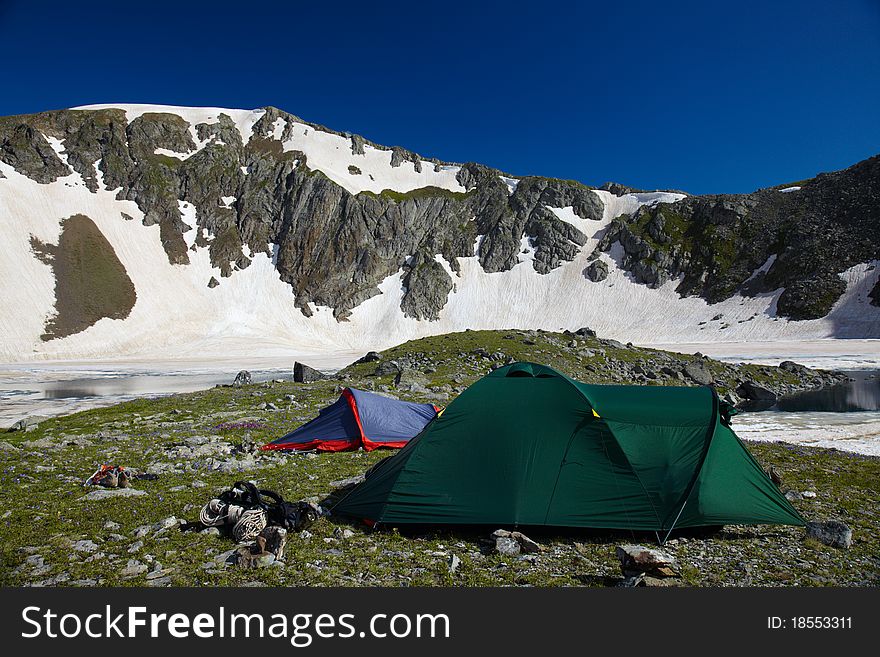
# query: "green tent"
{"type": "Point", "coordinates": [526, 445]}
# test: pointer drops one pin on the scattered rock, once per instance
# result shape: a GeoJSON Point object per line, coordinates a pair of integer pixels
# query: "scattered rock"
{"type": "Point", "coordinates": [410, 380]}
{"type": "Point", "coordinates": [832, 532]}
{"type": "Point", "coordinates": [808, 494]}
{"type": "Point", "coordinates": [213, 282]}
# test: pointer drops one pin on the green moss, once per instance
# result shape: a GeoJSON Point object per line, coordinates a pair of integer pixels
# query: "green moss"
{"type": "Point", "coordinates": [420, 193]}
{"type": "Point", "coordinates": [90, 281]}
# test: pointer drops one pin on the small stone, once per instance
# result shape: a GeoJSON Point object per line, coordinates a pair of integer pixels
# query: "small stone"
{"type": "Point", "coordinates": [111, 525]}
{"type": "Point", "coordinates": [133, 568]}
{"type": "Point", "coordinates": [343, 533]}
{"type": "Point", "coordinates": [85, 546]}
{"type": "Point", "coordinates": [135, 547]}
{"type": "Point", "coordinates": [507, 546]}
{"type": "Point", "coordinates": [454, 563]}
{"type": "Point", "coordinates": [808, 494]}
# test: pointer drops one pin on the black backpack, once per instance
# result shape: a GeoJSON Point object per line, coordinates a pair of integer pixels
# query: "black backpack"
{"type": "Point", "coordinates": [292, 516]}
{"type": "Point", "coordinates": [244, 494]}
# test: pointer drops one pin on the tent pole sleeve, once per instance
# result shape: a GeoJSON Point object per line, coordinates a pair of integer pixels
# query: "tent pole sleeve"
{"type": "Point", "coordinates": [710, 434]}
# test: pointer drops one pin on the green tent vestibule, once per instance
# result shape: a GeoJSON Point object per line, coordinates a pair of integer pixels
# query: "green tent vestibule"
{"type": "Point", "coordinates": [527, 445]}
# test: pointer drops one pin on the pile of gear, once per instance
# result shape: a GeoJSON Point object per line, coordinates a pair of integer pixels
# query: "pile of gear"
{"type": "Point", "coordinates": [255, 514]}
{"type": "Point", "coordinates": [109, 476]}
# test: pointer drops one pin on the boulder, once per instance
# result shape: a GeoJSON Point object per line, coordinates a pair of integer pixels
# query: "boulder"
{"type": "Point", "coordinates": [526, 544]}
{"type": "Point", "coordinates": [369, 357]}
{"type": "Point", "coordinates": [596, 271]}
{"type": "Point", "coordinates": [794, 368]}
{"type": "Point", "coordinates": [506, 546]}
{"type": "Point", "coordinates": [27, 424]}
{"type": "Point", "coordinates": [754, 392]}
{"type": "Point", "coordinates": [410, 380]}
{"type": "Point", "coordinates": [698, 372]}
{"type": "Point", "coordinates": [639, 559]}
{"type": "Point", "coordinates": [133, 568]}
{"type": "Point", "coordinates": [243, 378]}
{"type": "Point", "coordinates": [302, 373]}
{"type": "Point", "coordinates": [386, 368]}
{"type": "Point", "coordinates": [832, 532]}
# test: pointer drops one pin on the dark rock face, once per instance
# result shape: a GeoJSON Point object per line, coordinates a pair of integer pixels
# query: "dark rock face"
{"type": "Point", "coordinates": [427, 287]}
{"type": "Point", "coordinates": [715, 243]}
{"type": "Point", "coordinates": [28, 151]}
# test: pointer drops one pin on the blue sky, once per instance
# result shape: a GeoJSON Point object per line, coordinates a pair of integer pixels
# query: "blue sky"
{"type": "Point", "coordinates": [694, 95]}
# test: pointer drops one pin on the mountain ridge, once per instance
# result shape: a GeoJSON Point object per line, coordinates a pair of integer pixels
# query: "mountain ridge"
{"type": "Point", "coordinates": [342, 221]}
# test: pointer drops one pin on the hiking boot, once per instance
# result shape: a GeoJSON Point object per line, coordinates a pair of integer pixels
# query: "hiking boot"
{"type": "Point", "coordinates": [122, 479]}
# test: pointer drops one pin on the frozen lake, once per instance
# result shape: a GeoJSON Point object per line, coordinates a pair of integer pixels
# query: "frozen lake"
{"type": "Point", "coordinates": [846, 417]}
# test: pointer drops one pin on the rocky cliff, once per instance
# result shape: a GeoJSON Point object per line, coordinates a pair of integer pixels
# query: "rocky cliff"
{"type": "Point", "coordinates": [798, 237]}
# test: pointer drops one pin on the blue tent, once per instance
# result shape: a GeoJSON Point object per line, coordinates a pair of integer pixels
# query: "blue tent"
{"type": "Point", "coordinates": [360, 419]}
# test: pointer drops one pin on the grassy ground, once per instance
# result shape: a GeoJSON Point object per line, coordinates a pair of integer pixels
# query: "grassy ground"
{"type": "Point", "coordinates": [199, 443]}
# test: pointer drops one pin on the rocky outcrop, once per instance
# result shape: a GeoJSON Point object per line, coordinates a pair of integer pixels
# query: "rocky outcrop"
{"type": "Point", "coordinates": [596, 271]}
{"type": "Point", "coordinates": [427, 287]}
{"type": "Point", "coordinates": [715, 244]}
